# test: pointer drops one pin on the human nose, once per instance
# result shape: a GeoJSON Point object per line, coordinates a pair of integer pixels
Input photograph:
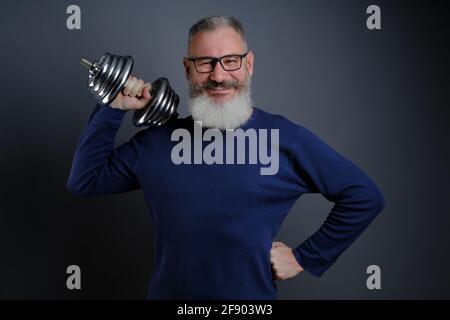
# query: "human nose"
{"type": "Point", "coordinates": [218, 74]}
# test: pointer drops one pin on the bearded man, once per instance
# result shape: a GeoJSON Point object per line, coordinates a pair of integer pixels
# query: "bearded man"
{"type": "Point", "coordinates": [216, 223]}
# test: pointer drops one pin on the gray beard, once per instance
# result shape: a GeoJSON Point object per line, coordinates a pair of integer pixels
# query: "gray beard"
{"type": "Point", "coordinates": [229, 114]}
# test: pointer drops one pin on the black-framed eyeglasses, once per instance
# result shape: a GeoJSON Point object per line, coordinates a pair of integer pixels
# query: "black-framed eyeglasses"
{"type": "Point", "coordinates": [231, 62]}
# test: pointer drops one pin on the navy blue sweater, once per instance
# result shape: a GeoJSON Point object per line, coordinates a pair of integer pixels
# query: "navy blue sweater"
{"type": "Point", "coordinates": [215, 223]}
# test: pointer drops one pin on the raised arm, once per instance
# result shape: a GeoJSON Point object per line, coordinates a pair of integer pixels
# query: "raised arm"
{"type": "Point", "coordinates": [98, 168]}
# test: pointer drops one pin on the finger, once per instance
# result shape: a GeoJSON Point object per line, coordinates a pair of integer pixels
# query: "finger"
{"type": "Point", "coordinates": [146, 91]}
{"type": "Point", "coordinates": [275, 275]}
{"type": "Point", "coordinates": [129, 85]}
{"type": "Point", "coordinates": [137, 88]}
{"type": "Point", "coordinates": [133, 88]}
{"type": "Point", "coordinates": [142, 88]}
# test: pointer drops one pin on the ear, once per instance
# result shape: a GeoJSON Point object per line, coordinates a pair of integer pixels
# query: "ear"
{"type": "Point", "coordinates": [250, 60]}
{"type": "Point", "coordinates": [187, 67]}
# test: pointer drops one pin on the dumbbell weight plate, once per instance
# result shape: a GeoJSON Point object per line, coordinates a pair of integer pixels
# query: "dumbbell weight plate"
{"type": "Point", "coordinates": [160, 108]}
{"type": "Point", "coordinates": [122, 73]}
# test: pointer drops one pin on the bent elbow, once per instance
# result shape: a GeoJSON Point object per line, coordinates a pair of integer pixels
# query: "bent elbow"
{"type": "Point", "coordinates": [377, 201]}
{"type": "Point", "coordinates": [76, 189]}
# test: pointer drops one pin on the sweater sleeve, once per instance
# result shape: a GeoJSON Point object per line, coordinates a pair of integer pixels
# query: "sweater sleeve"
{"type": "Point", "coordinates": [357, 200]}
{"type": "Point", "coordinates": [98, 168]}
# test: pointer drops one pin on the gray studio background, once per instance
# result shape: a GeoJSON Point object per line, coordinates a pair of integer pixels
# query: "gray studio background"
{"type": "Point", "coordinates": [380, 98]}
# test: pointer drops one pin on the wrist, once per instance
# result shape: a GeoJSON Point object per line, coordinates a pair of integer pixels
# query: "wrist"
{"type": "Point", "coordinates": [114, 105]}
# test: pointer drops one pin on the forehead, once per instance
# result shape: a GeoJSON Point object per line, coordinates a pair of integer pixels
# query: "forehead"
{"type": "Point", "coordinates": [218, 42]}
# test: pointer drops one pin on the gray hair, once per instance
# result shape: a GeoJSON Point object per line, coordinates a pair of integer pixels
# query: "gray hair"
{"type": "Point", "coordinates": [214, 22]}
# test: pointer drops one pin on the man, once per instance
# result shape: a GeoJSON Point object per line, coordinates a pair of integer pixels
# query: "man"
{"type": "Point", "coordinates": [215, 222]}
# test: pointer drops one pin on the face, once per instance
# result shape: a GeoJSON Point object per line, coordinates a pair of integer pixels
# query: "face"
{"type": "Point", "coordinates": [219, 85]}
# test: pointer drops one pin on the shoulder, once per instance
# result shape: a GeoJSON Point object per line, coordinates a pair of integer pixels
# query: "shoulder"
{"type": "Point", "coordinates": [279, 121]}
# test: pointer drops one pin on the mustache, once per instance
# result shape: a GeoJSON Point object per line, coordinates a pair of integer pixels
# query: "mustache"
{"type": "Point", "coordinates": [226, 84]}
{"type": "Point", "coordinates": [198, 89]}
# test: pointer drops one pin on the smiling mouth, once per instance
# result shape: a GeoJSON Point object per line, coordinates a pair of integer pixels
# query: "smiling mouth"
{"type": "Point", "coordinates": [220, 90]}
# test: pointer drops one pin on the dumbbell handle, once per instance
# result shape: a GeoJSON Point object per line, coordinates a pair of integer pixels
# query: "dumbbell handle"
{"type": "Point", "coordinates": [86, 63]}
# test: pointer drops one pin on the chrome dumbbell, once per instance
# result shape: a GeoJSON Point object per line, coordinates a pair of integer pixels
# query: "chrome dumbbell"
{"type": "Point", "coordinates": [109, 75]}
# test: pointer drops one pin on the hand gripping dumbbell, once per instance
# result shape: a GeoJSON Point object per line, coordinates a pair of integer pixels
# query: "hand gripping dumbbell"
{"type": "Point", "coordinates": [109, 75]}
